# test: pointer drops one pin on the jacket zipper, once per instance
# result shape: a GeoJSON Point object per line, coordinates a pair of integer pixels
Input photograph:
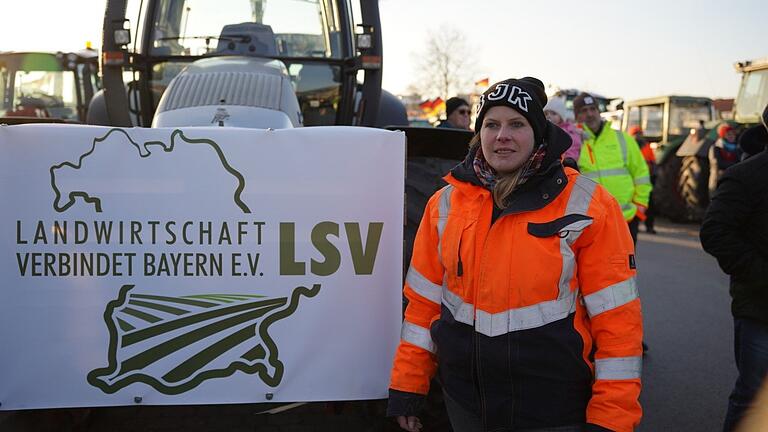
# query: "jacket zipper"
{"type": "Point", "coordinates": [478, 366]}
{"type": "Point", "coordinates": [459, 266]}
{"type": "Point", "coordinates": [591, 153]}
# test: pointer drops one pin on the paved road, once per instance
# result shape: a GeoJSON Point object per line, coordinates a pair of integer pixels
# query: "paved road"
{"type": "Point", "coordinates": [688, 372]}
{"type": "Point", "coordinates": [689, 369]}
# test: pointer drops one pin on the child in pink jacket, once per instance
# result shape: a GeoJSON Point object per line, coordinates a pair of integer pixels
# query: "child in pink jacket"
{"type": "Point", "coordinates": [556, 113]}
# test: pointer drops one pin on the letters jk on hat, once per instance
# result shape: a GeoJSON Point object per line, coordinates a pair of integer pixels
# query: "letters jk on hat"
{"type": "Point", "coordinates": [525, 95]}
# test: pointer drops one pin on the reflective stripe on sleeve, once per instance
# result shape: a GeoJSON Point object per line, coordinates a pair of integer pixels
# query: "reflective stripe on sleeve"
{"type": "Point", "coordinates": [462, 311]}
{"type": "Point", "coordinates": [642, 180]}
{"type": "Point", "coordinates": [611, 297]}
{"type": "Point", "coordinates": [578, 203]}
{"type": "Point", "coordinates": [607, 173]}
{"type": "Point", "coordinates": [423, 286]}
{"type": "Point", "coordinates": [581, 196]}
{"type": "Point", "coordinates": [417, 335]}
{"type": "Point", "coordinates": [618, 368]}
{"type": "Point", "coordinates": [623, 144]}
{"type": "Point", "coordinates": [442, 211]}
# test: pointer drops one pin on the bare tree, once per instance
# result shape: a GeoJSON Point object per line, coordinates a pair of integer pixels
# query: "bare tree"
{"type": "Point", "coordinates": [446, 65]}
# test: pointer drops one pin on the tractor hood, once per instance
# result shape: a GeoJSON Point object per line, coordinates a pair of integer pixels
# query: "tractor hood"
{"type": "Point", "coordinates": [230, 91]}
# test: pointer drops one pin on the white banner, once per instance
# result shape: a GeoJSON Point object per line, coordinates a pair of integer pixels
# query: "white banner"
{"type": "Point", "coordinates": [198, 266]}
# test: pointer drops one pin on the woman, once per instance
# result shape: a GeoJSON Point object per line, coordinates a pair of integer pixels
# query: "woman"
{"type": "Point", "coordinates": [521, 288]}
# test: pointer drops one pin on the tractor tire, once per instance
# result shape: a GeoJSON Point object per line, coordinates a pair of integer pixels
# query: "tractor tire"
{"type": "Point", "coordinates": [423, 178]}
{"type": "Point", "coordinates": [667, 199]}
{"type": "Point", "coordinates": [694, 186]}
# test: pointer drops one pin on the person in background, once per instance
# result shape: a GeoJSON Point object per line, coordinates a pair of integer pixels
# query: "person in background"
{"type": "Point", "coordinates": [557, 113]}
{"type": "Point", "coordinates": [723, 154]}
{"type": "Point", "coordinates": [735, 231]}
{"type": "Point", "coordinates": [636, 132]}
{"type": "Point", "coordinates": [613, 159]}
{"type": "Point", "coordinates": [521, 290]}
{"type": "Point", "coordinates": [457, 114]}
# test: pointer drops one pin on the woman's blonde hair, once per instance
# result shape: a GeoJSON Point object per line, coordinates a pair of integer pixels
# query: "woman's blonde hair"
{"type": "Point", "coordinates": [505, 184]}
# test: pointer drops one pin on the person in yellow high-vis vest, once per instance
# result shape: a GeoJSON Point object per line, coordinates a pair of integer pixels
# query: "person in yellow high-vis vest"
{"type": "Point", "coordinates": [613, 159]}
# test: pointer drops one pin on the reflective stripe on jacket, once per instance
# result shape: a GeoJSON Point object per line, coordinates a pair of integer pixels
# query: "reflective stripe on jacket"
{"type": "Point", "coordinates": [613, 159]}
{"type": "Point", "coordinates": [534, 318]}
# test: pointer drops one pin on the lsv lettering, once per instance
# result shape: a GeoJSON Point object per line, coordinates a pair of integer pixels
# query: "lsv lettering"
{"type": "Point", "coordinates": [363, 254]}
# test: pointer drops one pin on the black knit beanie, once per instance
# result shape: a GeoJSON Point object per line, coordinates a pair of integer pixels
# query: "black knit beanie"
{"type": "Point", "coordinates": [524, 95]}
{"type": "Point", "coordinates": [453, 103]}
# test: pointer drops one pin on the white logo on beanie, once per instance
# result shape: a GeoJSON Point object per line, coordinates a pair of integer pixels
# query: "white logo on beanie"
{"type": "Point", "coordinates": [514, 95]}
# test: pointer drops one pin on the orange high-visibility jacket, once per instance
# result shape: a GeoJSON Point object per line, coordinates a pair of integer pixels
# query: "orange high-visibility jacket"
{"type": "Point", "coordinates": [533, 316]}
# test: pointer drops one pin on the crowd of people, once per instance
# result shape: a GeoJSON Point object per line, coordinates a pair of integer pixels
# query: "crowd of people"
{"type": "Point", "coordinates": [522, 298]}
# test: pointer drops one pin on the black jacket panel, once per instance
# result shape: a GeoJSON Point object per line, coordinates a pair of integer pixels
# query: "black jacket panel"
{"type": "Point", "coordinates": [735, 231]}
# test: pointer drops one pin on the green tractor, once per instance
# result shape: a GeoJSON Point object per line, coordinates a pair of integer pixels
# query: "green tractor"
{"type": "Point", "coordinates": [694, 184]}
{"type": "Point", "coordinates": [667, 122]}
{"type": "Point", "coordinates": [47, 87]}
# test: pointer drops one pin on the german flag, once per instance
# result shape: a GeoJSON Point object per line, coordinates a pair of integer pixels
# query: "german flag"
{"type": "Point", "coordinates": [438, 105]}
{"type": "Point", "coordinates": [483, 82]}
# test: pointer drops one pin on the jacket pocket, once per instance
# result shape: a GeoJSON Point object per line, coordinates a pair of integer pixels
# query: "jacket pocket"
{"type": "Point", "coordinates": [561, 226]}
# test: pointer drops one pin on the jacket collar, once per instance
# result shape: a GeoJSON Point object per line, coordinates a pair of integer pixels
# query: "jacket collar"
{"type": "Point", "coordinates": [606, 125]}
{"type": "Point", "coordinates": [541, 189]}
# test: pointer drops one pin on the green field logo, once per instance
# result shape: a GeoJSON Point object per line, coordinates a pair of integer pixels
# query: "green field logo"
{"type": "Point", "coordinates": [175, 343]}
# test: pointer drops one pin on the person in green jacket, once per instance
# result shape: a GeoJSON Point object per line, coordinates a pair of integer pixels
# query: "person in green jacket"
{"type": "Point", "coordinates": [613, 159]}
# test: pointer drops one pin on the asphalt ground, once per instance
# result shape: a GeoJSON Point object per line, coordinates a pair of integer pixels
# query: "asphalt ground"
{"type": "Point", "coordinates": [689, 370]}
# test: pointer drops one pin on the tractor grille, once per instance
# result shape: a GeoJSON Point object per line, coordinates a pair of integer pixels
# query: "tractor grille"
{"type": "Point", "coordinates": [234, 88]}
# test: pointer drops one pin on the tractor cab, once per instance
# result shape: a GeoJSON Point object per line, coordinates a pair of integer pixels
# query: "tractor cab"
{"type": "Point", "coordinates": [666, 121]}
{"type": "Point", "coordinates": [47, 87]}
{"type": "Point", "coordinates": [257, 63]}
{"type": "Point", "coordinates": [670, 124]}
{"type": "Point", "coordinates": [753, 91]}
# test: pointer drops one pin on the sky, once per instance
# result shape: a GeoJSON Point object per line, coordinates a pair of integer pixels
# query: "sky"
{"type": "Point", "coordinates": [619, 48]}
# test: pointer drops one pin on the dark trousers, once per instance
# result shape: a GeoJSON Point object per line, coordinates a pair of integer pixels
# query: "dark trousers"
{"type": "Point", "coordinates": [634, 225]}
{"type": "Point", "coordinates": [751, 348]}
{"type": "Point", "coordinates": [650, 214]}
{"type": "Point", "coordinates": [463, 420]}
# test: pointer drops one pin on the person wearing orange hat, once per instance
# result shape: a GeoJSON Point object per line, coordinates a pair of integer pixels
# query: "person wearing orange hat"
{"type": "Point", "coordinates": [723, 154]}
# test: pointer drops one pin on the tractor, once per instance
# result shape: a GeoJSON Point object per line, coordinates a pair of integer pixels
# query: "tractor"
{"type": "Point", "coordinates": [308, 63]}
{"type": "Point", "coordinates": [666, 123]}
{"type": "Point", "coordinates": [683, 174]}
{"type": "Point", "coordinates": [47, 87]}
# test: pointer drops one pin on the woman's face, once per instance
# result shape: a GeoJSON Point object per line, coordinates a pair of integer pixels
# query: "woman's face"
{"type": "Point", "coordinates": [506, 139]}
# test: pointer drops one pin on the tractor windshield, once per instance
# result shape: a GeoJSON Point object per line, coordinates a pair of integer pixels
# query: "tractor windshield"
{"type": "Point", "coordinates": [269, 28]}
{"type": "Point", "coordinates": [686, 115]}
{"type": "Point", "coordinates": [753, 96]}
{"type": "Point", "coordinates": [35, 86]}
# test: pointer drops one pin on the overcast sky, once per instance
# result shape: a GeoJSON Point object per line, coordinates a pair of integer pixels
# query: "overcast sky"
{"type": "Point", "coordinates": [619, 48]}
